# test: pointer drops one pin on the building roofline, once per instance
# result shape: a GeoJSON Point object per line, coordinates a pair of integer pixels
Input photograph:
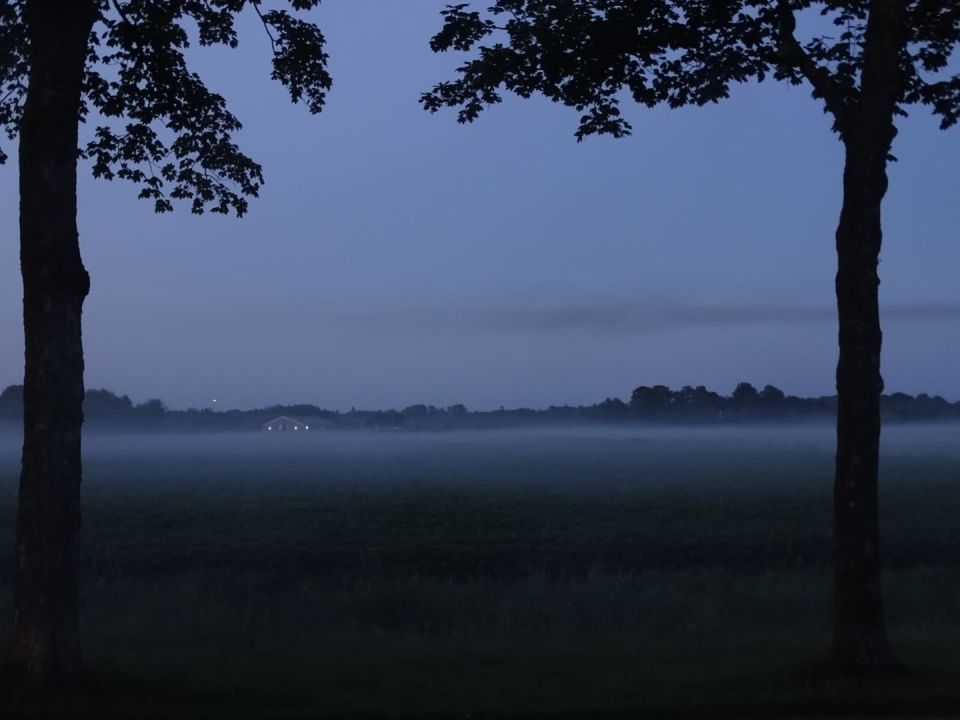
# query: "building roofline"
{"type": "Point", "coordinates": [284, 417]}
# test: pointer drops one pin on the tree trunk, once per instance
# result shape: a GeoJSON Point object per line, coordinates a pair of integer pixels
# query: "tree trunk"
{"type": "Point", "coordinates": [860, 636]}
{"type": "Point", "coordinates": [46, 642]}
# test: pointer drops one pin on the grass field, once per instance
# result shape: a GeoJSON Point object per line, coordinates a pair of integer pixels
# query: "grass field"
{"type": "Point", "coordinates": [570, 572]}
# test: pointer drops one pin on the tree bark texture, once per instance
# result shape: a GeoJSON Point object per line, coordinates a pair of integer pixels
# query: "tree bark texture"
{"type": "Point", "coordinates": [860, 641]}
{"type": "Point", "coordinates": [46, 584]}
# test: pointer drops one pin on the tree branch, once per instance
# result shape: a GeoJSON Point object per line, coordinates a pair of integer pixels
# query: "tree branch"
{"type": "Point", "coordinates": [120, 12]}
{"type": "Point", "coordinates": [266, 26]}
{"type": "Point", "coordinates": [824, 85]}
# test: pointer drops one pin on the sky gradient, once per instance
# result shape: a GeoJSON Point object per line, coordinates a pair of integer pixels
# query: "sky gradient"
{"type": "Point", "coordinates": [396, 257]}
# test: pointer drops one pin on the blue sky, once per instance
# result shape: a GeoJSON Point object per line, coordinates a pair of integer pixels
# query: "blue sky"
{"type": "Point", "coordinates": [397, 257]}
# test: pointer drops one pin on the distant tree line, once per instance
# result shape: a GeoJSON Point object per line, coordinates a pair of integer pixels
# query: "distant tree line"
{"type": "Point", "coordinates": [105, 410]}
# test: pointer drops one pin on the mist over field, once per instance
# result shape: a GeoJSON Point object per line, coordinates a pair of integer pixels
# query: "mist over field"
{"type": "Point", "coordinates": [585, 459]}
{"type": "Point", "coordinates": [480, 456]}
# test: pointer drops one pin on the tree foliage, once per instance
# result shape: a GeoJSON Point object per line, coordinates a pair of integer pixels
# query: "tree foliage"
{"type": "Point", "coordinates": [591, 54]}
{"type": "Point", "coordinates": [156, 123]}
{"type": "Point", "coordinates": [11, 403]}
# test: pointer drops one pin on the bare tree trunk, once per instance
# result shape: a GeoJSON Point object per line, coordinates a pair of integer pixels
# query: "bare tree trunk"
{"type": "Point", "coordinates": [55, 283]}
{"type": "Point", "coordinates": [860, 635]}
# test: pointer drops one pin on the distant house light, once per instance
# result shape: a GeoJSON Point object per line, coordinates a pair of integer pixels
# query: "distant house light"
{"type": "Point", "coordinates": [306, 427]}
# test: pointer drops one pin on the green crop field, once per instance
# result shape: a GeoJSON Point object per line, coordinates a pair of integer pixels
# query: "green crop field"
{"type": "Point", "coordinates": [558, 572]}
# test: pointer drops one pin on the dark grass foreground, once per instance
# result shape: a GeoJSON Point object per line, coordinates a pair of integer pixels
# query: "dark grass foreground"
{"type": "Point", "coordinates": [597, 683]}
{"type": "Point", "coordinates": [577, 576]}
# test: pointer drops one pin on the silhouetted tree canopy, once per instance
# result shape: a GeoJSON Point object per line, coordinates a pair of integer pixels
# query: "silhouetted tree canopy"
{"type": "Point", "coordinates": [590, 54]}
{"type": "Point", "coordinates": [11, 403]}
{"type": "Point", "coordinates": [745, 394]}
{"type": "Point", "coordinates": [653, 401]}
{"type": "Point", "coordinates": [157, 124]}
{"type": "Point", "coordinates": [771, 394]}
{"type": "Point", "coordinates": [613, 409]}
{"type": "Point", "coordinates": [105, 405]}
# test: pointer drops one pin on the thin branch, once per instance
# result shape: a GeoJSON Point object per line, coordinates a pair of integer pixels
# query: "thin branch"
{"type": "Point", "coordinates": [120, 12]}
{"type": "Point", "coordinates": [18, 87]}
{"type": "Point", "coordinates": [266, 25]}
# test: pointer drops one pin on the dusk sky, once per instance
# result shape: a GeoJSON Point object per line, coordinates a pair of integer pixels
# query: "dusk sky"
{"type": "Point", "coordinates": [397, 257]}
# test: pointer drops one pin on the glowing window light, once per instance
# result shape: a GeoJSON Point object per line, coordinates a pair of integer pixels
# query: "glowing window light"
{"type": "Point", "coordinates": [269, 427]}
{"type": "Point", "coordinates": [306, 427]}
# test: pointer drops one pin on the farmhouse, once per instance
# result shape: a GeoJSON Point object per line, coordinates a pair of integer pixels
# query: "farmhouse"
{"type": "Point", "coordinates": [285, 424]}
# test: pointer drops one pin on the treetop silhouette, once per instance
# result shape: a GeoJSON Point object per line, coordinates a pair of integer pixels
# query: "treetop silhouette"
{"type": "Point", "coordinates": [589, 54]}
{"type": "Point", "coordinates": [158, 125]}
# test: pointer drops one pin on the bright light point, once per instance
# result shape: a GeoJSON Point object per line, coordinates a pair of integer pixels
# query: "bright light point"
{"type": "Point", "coordinates": [306, 427]}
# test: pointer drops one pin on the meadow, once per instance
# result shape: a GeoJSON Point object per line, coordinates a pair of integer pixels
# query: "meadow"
{"type": "Point", "coordinates": [575, 572]}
